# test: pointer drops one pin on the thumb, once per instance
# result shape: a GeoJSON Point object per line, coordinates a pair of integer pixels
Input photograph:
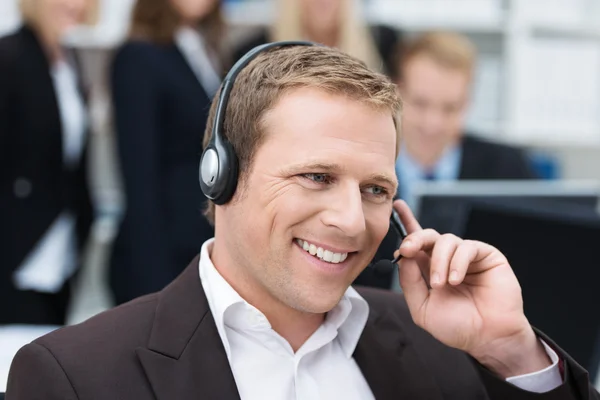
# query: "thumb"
{"type": "Point", "coordinates": [414, 288]}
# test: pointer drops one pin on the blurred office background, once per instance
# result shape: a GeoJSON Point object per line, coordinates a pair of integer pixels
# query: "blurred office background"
{"type": "Point", "coordinates": [537, 86]}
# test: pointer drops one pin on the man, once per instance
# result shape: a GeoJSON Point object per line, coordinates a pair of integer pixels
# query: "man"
{"type": "Point", "coordinates": [434, 78]}
{"type": "Point", "coordinates": [436, 73]}
{"type": "Point", "coordinates": [266, 311]}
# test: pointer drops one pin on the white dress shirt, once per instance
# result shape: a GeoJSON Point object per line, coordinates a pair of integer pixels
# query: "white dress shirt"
{"type": "Point", "coordinates": [54, 258]}
{"type": "Point", "coordinates": [323, 368]}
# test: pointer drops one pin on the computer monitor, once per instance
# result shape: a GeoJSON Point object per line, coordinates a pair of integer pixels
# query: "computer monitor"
{"type": "Point", "coordinates": [555, 258]}
{"type": "Point", "coordinates": [442, 205]}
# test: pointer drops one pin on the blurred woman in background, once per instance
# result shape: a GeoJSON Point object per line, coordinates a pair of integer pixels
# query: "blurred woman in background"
{"type": "Point", "coordinates": [163, 79]}
{"type": "Point", "coordinates": [45, 207]}
{"type": "Point", "coordinates": [335, 23]}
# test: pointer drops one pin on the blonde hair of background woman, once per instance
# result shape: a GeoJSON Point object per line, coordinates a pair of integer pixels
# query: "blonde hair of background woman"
{"type": "Point", "coordinates": [30, 15]}
{"type": "Point", "coordinates": [355, 36]}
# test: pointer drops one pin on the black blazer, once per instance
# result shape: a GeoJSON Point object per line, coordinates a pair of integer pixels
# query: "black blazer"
{"type": "Point", "coordinates": [166, 346]}
{"type": "Point", "coordinates": [35, 186]}
{"type": "Point", "coordinates": [481, 160]}
{"type": "Point", "coordinates": [160, 112]}
{"type": "Point", "coordinates": [386, 39]}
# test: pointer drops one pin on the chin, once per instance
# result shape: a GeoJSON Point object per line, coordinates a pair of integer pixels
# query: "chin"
{"type": "Point", "coordinates": [318, 301]}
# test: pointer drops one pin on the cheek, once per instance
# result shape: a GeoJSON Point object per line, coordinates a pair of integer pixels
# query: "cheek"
{"type": "Point", "coordinates": [378, 221]}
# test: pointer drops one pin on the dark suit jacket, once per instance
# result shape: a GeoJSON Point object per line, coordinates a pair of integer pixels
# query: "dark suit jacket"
{"type": "Point", "coordinates": [481, 160]}
{"type": "Point", "coordinates": [166, 346]}
{"type": "Point", "coordinates": [35, 186]}
{"type": "Point", "coordinates": [160, 111]}
{"type": "Point", "coordinates": [386, 39]}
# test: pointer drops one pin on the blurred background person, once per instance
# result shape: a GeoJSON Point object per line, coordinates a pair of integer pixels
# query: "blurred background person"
{"type": "Point", "coordinates": [45, 207]}
{"type": "Point", "coordinates": [435, 77]}
{"type": "Point", "coordinates": [162, 82]}
{"type": "Point", "coordinates": [335, 23]}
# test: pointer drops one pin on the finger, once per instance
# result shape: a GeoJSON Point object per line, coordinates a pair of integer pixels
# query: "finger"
{"type": "Point", "coordinates": [464, 256]}
{"type": "Point", "coordinates": [416, 292]}
{"type": "Point", "coordinates": [407, 217]}
{"type": "Point", "coordinates": [422, 260]}
{"type": "Point", "coordinates": [441, 256]}
{"type": "Point", "coordinates": [422, 240]}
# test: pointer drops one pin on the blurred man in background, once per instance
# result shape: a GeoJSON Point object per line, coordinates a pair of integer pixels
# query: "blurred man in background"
{"type": "Point", "coordinates": [435, 74]}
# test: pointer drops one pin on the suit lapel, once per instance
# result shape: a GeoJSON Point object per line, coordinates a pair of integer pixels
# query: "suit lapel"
{"type": "Point", "coordinates": [185, 358]}
{"type": "Point", "coordinates": [391, 364]}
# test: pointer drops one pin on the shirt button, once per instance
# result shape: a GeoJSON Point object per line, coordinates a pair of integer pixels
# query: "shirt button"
{"type": "Point", "coordinates": [22, 188]}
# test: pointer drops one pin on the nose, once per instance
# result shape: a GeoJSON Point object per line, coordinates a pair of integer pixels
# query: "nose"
{"type": "Point", "coordinates": [345, 211]}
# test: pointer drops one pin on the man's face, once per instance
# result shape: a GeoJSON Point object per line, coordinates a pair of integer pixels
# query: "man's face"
{"type": "Point", "coordinates": [323, 180]}
{"type": "Point", "coordinates": [435, 100]}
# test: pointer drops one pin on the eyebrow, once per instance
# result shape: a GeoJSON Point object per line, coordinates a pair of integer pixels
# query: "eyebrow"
{"type": "Point", "coordinates": [325, 167]}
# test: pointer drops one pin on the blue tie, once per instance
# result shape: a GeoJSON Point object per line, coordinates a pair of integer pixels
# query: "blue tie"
{"type": "Point", "coordinates": [429, 176]}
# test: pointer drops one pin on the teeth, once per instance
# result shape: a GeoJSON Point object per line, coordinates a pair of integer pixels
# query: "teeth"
{"type": "Point", "coordinates": [325, 255]}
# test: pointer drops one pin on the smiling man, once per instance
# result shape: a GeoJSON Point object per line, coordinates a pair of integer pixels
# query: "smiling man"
{"type": "Point", "coordinates": [267, 311]}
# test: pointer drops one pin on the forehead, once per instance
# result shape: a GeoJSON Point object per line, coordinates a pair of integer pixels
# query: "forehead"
{"type": "Point", "coordinates": [425, 75]}
{"type": "Point", "coordinates": [312, 125]}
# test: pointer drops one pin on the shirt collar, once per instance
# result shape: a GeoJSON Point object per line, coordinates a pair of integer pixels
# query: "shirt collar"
{"type": "Point", "coordinates": [349, 316]}
{"type": "Point", "coordinates": [447, 167]}
{"type": "Point", "coordinates": [409, 171]}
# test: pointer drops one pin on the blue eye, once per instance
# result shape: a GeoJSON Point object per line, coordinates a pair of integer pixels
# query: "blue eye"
{"type": "Point", "coordinates": [377, 191]}
{"type": "Point", "coordinates": [318, 178]}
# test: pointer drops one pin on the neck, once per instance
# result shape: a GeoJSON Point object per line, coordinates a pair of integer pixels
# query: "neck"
{"type": "Point", "coordinates": [50, 42]}
{"type": "Point", "coordinates": [293, 325]}
{"type": "Point", "coordinates": [329, 36]}
{"type": "Point", "coordinates": [427, 158]}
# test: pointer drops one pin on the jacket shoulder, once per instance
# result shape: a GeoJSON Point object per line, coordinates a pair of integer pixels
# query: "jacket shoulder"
{"type": "Point", "coordinates": [9, 49]}
{"type": "Point", "coordinates": [139, 53]}
{"type": "Point", "coordinates": [107, 335]}
{"type": "Point", "coordinates": [479, 145]}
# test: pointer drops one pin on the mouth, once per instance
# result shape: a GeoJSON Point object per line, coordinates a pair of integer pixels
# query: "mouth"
{"type": "Point", "coordinates": [321, 253]}
{"type": "Point", "coordinates": [326, 259]}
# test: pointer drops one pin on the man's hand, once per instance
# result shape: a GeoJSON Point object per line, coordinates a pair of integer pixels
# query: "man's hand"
{"type": "Point", "coordinates": [466, 295]}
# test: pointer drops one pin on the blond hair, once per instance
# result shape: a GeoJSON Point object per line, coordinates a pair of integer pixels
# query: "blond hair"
{"type": "Point", "coordinates": [354, 39]}
{"type": "Point", "coordinates": [30, 15]}
{"type": "Point", "coordinates": [448, 49]}
{"type": "Point", "coordinates": [267, 78]}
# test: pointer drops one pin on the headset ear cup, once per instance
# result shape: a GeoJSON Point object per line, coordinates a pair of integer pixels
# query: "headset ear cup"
{"type": "Point", "coordinates": [228, 176]}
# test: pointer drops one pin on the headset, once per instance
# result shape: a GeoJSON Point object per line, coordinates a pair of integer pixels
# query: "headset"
{"type": "Point", "coordinates": [219, 163]}
{"type": "Point", "coordinates": [219, 166]}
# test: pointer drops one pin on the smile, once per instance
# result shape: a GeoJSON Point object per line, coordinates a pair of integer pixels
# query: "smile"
{"type": "Point", "coordinates": [322, 254]}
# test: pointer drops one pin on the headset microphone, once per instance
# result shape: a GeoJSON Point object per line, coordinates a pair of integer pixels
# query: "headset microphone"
{"type": "Point", "coordinates": [385, 267]}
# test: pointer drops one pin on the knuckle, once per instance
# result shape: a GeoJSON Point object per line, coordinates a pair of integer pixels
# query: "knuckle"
{"type": "Point", "coordinates": [431, 232]}
{"type": "Point", "coordinates": [450, 237]}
